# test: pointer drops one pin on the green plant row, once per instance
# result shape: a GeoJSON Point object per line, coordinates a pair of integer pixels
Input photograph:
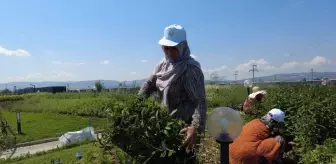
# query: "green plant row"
{"type": "Point", "coordinates": [81, 104]}
{"type": "Point", "coordinates": [11, 98]}
{"type": "Point", "coordinates": [310, 114]}
{"type": "Point", "coordinates": [310, 109]}
{"type": "Point", "coordinates": [144, 130]}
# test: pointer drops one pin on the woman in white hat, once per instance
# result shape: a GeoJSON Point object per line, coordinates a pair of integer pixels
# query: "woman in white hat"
{"type": "Point", "coordinates": [259, 141]}
{"type": "Point", "coordinates": [180, 83]}
{"type": "Point", "coordinates": [256, 96]}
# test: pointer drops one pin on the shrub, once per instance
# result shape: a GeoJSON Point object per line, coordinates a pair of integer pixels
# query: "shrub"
{"type": "Point", "coordinates": [143, 130]}
{"type": "Point", "coordinates": [7, 136]}
{"type": "Point", "coordinates": [325, 153]}
{"type": "Point", "coordinates": [229, 96]}
{"type": "Point", "coordinates": [310, 113]}
{"type": "Point", "coordinates": [99, 86]}
{"type": "Point", "coordinates": [11, 98]}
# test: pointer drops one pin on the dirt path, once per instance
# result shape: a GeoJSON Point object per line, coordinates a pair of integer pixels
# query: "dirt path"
{"type": "Point", "coordinates": [33, 149]}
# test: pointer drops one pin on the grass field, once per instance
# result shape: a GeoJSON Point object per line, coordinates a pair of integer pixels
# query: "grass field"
{"type": "Point", "coordinates": [45, 125]}
{"type": "Point", "coordinates": [91, 153]}
{"type": "Point", "coordinates": [79, 104]}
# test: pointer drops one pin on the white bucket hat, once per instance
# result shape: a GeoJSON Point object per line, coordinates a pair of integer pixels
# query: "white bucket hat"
{"type": "Point", "coordinates": [277, 115]}
{"type": "Point", "coordinates": [253, 95]}
{"type": "Point", "coordinates": [255, 89]}
{"type": "Point", "coordinates": [173, 35]}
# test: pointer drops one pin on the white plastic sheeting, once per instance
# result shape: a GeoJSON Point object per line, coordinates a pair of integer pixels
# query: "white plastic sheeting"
{"type": "Point", "coordinates": [78, 136]}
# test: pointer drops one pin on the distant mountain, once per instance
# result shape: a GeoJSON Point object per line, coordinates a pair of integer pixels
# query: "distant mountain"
{"type": "Point", "coordinates": [72, 84]}
{"type": "Point", "coordinates": [113, 83]}
{"type": "Point", "coordinates": [295, 76]}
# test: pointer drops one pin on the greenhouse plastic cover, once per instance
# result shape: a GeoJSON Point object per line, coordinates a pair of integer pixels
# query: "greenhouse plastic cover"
{"type": "Point", "coordinates": [78, 136]}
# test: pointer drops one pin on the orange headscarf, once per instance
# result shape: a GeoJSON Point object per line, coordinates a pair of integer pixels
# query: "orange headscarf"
{"type": "Point", "coordinates": [252, 143]}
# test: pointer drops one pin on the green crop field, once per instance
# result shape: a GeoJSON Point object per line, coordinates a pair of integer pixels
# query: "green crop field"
{"type": "Point", "coordinates": [310, 120]}
{"type": "Point", "coordinates": [37, 126]}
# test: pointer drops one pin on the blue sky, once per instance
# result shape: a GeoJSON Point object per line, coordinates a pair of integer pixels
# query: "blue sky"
{"type": "Point", "coordinates": [44, 40]}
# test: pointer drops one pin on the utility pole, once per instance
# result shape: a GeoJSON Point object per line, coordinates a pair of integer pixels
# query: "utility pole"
{"type": "Point", "coordinates": [236, 73]}
{"type": "Point", "coordinates": [33, 86]}
{"type": "Point", "coordinates": [253, 70]}
{"type": "Point", "coordinates": [312, 74]}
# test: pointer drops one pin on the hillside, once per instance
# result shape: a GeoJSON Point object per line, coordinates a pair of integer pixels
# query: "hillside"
{"type": "Point", "coordinates": [296, 76]}
{"type": "Point", "coordinates": [72, 84]}
{"type": "Point", "coordinates": [114, 83]}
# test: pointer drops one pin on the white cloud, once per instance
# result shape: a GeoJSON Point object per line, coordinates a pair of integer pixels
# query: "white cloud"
{"type": "Point", "coordinates": [243, 69]}
{"type": "Point", "coordinates": [265, 68]}
{"type": "Point", "coordinates": [105, 62]}
{"type": "Point", "coordinates": [18, 52]}
{"type": "Point", "coordinates": [67, 63]}
{"type": "Point", "coordinates": [56, 62]}
{"type": "Point", "coordinates": [39, 77]}
{"type": "Point", "coordinates": [216, 69]}
{"type": "Point", "coordinates": [318, 60]}
{"type": "Point", "coordinates": [144, 61]}
{"type": "Point", "coordinates": [133, 73]}
{"type": "Point", "coordinates": [60, 74]}
{"type": "Point", "coordinates": [262, 64]}
{"type": "Point", "coordinates": [81, 63]}
{"type": "Point", "coordinates": [289, 65]}
{"type": "Point", "coordinates": [193, 56]}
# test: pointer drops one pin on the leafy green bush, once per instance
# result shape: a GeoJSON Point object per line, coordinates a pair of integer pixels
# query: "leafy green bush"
{"type": "Point", "coordinates": [310, 113]}
{"type": "Point", "coordinates": [7, 136]}
{"type": "Point", "coordinates": [143, 130]}
{"type": "Point", "coordinates": [230, 96]}
{"type": "Point", "coordinates": [325, 153]}
{"type": "Point", "coordinates": [310, 110]}
{"type": "Point", "coordinates": [11, 98]}
{"type": "Point", "coordinates": [82, 104]}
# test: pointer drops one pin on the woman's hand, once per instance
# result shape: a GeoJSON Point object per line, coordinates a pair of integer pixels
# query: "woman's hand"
{"type": "Point", "coordinates": [190, 140]}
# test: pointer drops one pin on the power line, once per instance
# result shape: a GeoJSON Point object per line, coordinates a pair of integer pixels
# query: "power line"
{"type": "Point", "coordinates": [236, 73]}
{"type": "Point", "coordinates": [253, 70]}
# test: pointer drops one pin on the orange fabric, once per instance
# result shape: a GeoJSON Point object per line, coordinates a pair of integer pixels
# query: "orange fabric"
{"type": "Point", "coordinates": [253, 143]}
{"type": "Point", "coordinates": [268, 148]}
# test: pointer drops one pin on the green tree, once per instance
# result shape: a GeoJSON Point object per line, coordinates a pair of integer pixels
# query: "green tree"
{"type": "Point", "coordinates": [6, 91]}
{"type": "Point", "coordinates": [99, 86]}
{"type": "Point", "coordinates": [214, 78]}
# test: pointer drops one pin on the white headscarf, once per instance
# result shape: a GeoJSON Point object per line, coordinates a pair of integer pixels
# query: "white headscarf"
{"type": "Point", "coordinates": [168, 72]}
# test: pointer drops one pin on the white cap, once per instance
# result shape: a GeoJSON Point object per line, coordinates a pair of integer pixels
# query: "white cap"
{"type": "Point", "coordinates": [253, 95]}
{"type": "Point", "coordinates": [173, 35]}
{"type": "Point", "coordinates": [277, 115]}
{"type": "Point", "coordinates": [255, 89]}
